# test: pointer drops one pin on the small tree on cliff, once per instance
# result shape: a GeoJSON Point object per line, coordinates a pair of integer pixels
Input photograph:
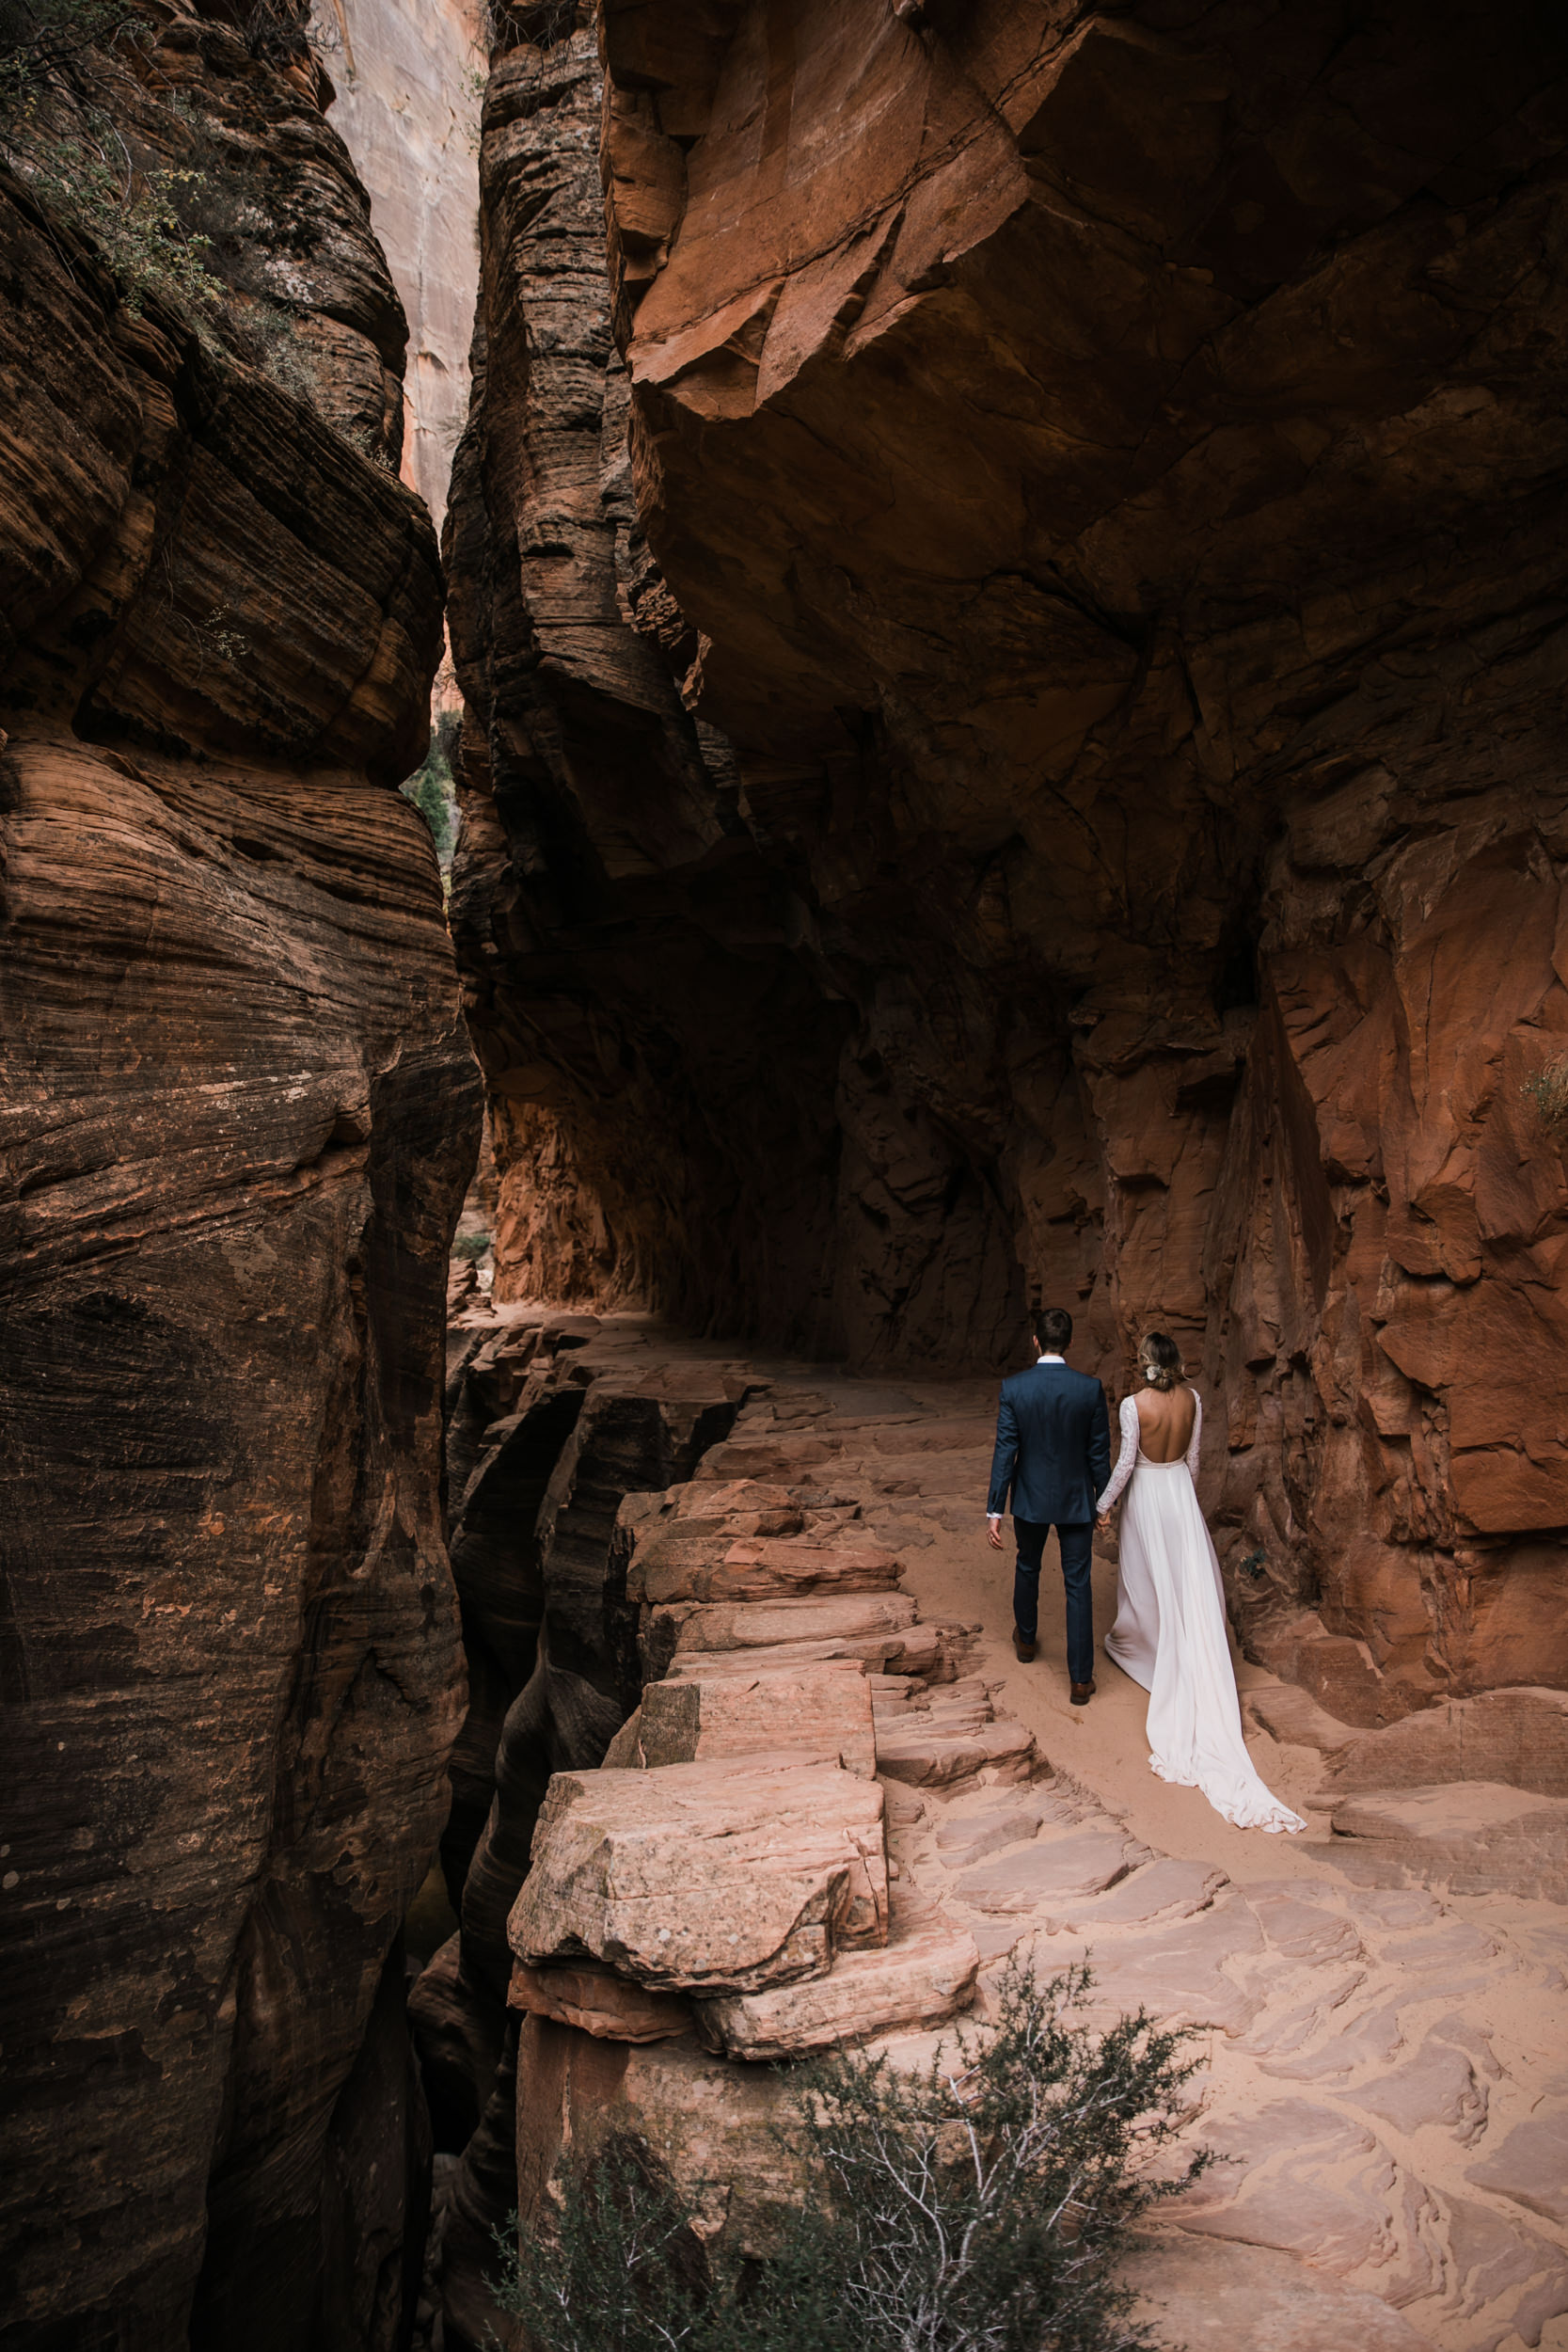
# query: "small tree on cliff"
{"type": "Point", "coordinates": [980, 2206]}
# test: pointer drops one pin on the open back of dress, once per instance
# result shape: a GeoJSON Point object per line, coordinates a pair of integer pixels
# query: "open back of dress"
{"type": "Point", "coordinates": [1170, 1634]}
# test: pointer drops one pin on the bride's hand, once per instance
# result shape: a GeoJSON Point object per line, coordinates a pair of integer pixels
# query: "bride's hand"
{"type": "Point", "coordinates": [1103, 1522]}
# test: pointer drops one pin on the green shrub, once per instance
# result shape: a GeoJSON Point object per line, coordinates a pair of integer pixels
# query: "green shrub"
{"type": "Point", "coordinates": [433, 792]}
{"type": "Point", "coordinates": [57, 135]}
{"type": "Point", "coordinates": [980, 2206]}
{"type": "Point", "coordinates": [470, 1245]}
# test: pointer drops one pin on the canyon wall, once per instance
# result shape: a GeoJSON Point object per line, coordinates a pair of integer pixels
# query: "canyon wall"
{"type": "Point", "coordinates": [1014, 651]}
{"type": "Point", "coordinates": [240, 1113]}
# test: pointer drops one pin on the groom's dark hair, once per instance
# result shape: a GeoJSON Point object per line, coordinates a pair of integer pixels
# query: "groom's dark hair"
{"type": "Point", "coordinates": [1052, 1328]}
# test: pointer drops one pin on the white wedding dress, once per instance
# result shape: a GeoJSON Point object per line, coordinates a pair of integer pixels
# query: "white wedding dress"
{"type": "Point", "coordinates": [1170, 1634]}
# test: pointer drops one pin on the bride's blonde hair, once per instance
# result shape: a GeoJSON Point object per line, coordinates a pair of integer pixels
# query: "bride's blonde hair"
{"type": "Point", "coordinates": [1159, 1359]}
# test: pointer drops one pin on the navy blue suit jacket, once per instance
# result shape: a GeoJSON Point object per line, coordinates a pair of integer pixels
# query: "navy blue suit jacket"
{"type": "Point", "coordinates": [1053, 1446]}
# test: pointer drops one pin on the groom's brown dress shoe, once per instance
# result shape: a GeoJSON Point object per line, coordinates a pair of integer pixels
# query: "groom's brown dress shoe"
{"type": "Point", "coordinates": [1083, 1692]}
{"type": "Point", "coordinates": [1023, 1651]}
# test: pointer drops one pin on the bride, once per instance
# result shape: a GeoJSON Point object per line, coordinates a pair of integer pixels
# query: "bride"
{"type": "Point", "coordinates": [1170, 1632]}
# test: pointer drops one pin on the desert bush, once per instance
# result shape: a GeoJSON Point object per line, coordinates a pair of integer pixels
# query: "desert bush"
{"type": "Point", "coordinates": [433, 791]}
{"type": "Point", "coordinates": [542, 23]}
{"type": "Point", "coordinates": [266, 333]}
{"type": "Point", "coordinates": [1548, 1091]}
{"type": "Point", "coordinates": [978, 2206]}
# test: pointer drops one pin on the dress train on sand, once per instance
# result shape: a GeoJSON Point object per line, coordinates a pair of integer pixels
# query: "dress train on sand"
{"type": "Point", "coordinates": [1170, 1634]}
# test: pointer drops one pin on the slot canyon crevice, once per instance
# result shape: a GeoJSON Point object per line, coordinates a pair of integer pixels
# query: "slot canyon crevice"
{"type": "Point", "coordinates": [1003, 570]}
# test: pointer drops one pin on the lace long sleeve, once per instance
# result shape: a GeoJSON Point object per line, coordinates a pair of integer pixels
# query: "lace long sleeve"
{"type": "Point", "coordinates": [1196, 1436]}
{"type": "Point", "coordinates": [1128, 1456]}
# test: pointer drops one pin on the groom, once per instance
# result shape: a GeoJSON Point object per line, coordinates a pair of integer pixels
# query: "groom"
{"type": "Point", "coordinates": [1053, 1451]}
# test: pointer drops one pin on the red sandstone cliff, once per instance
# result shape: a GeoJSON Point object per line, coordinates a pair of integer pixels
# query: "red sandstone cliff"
{"type": "Point", "coordinates": [239, 1115]}
{"type": "Point", "coordinates": [1101, 476]}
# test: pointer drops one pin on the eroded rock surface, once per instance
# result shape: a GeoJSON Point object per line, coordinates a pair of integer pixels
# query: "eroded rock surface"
{"type": "Point", "coordinates": [1102, 478]}
{"type": "Point", "coordinates": [238, 1116]}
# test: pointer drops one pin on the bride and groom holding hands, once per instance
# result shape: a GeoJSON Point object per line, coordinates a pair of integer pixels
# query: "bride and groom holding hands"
{"type": "Point", "coordinates": [1052, 1464]}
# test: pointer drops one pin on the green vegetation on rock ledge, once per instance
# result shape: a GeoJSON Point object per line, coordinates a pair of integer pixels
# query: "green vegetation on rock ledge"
{"type": "Point", "coordinates": [979, 2206]}
{"type": "Point", "coordinates": [57, 135]}
{"type": "Point", "coordinates": [432, 790]}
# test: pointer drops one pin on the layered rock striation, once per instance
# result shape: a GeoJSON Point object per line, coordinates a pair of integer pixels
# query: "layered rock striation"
{"type": "Point", "coordinates": [1096, 482]}
{"type": "Point", "coordinates": [239, 1115]}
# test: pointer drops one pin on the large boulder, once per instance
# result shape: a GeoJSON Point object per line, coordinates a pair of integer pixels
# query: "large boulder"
{"type": "Point", "coordinates": [706, 1878]}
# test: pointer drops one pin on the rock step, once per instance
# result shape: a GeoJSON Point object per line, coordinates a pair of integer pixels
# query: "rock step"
{"type": "Point", "coordinates": [920, 1979]}
{"type": "Point", "coordinates": [750, 1567]}
{"type": "Point", "coordinates": [826, 1710]}
{"type": "Point", "coordinates": [883, 1629]}
{"type": "Point", "coordinates": [945, 1740]}
{"type": "Point", "coordinates": [1054, 1870]}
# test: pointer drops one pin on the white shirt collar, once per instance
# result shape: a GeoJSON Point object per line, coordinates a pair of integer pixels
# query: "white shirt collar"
{"type": "Point", "coordinates": [1046, 1357]}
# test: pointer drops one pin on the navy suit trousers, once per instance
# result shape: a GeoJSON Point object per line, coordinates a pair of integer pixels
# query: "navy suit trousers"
{"type": "Point", "coordinates": [1076, 1539]}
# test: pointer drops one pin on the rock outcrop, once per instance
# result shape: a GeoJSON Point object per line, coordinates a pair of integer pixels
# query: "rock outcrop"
{"type": "Point", "coordinates": [239, 1115]}
{"type": "Point", "coordinates": [554, 1422]}
{"type": "Point", "coordinates": [1097, 484]}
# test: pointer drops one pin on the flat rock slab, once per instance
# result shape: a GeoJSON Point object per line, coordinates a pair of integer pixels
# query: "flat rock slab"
{"type": "Point", "coordinates": [1083, 1863]}
{"type": "Point", "coordinates": [973, 1835]}
{"type": "Point", "coordinates": [832, 1616]}
{"type": "Point", "coordinates": [1476, 1836]}
{"type": "Point", "coordinates": [936, 1435]}
{"type": "Point", "coordinates": [920, 1979]}
{"type": "Point", "coordinates": [826, 1710]}
{"type": "Point", "coordinates": [597, 2001]}
{"type": "Point", "coordinates": [935, 1748]}
{"type": "Point", "coordinates": [714, 1877]}
{"type": "Point", "coordinates": [1514, 2270]}
{"type": "Point", "coordinates": [1516, 1735]}
{"type": "Point", "coordinates": [881, 1629]}
{"type": "Point", "coordinates": [1178, 1973]}
{"type": "Point", "coordinates": [703, 1665]}
{"type": "Point", "coordinates": [1226, 2298]}
{"type": "Point", "coordinates": [1531, 2165]}
{"type": "Point", "coordinates": [1167, 1889]}
{"type": "Point", "coordinates": [1439, 2085]}
{"type": "Point", "coordinates": [724, 1565]}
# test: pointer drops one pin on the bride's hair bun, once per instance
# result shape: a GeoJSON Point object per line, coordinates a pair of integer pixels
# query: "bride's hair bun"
{"type": "Point", "coordinates": [1161, 1359]}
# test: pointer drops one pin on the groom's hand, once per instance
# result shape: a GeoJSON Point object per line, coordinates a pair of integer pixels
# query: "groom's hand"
{"type": "Point", "coordinates": [1103, 1522]}
{"type": "Point", "coordinates": [994, 1532]}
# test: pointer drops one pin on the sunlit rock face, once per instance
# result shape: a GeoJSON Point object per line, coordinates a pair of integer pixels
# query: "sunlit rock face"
{"type": "Point", "coordinates": [405, 81]}
{"type": "Point", "coordinates": [238, 1116]}
{"type": "Point", "coordinates": [1102, 479]}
